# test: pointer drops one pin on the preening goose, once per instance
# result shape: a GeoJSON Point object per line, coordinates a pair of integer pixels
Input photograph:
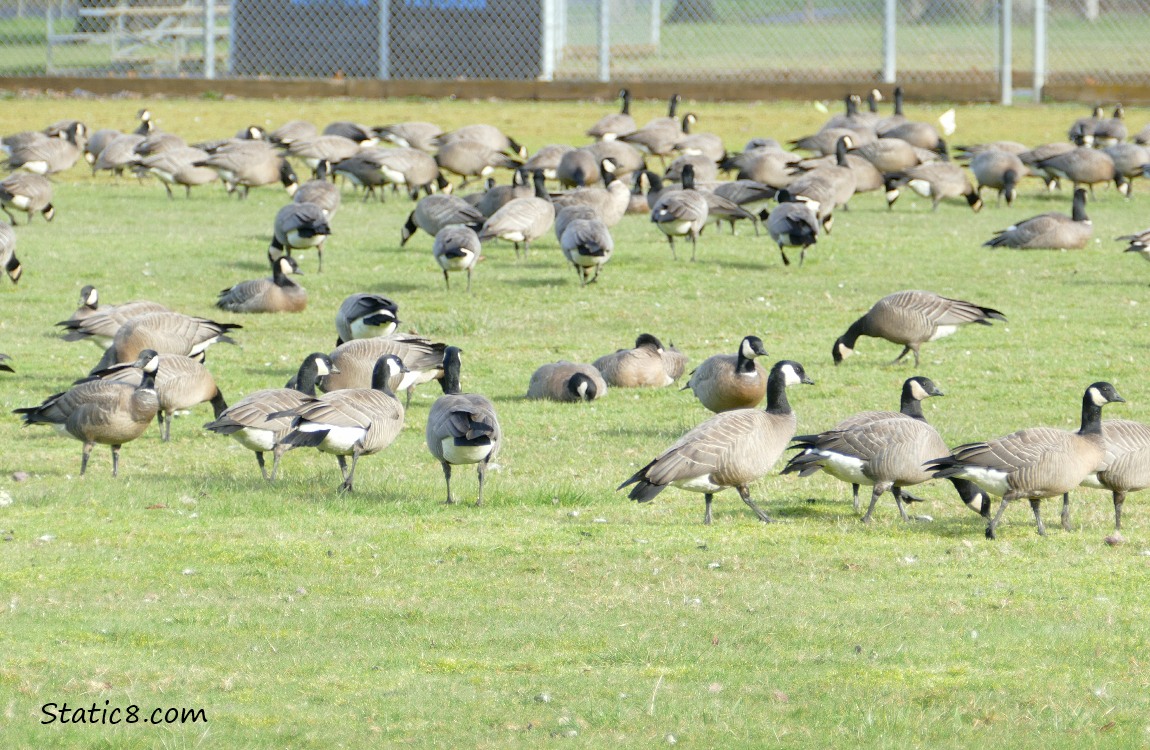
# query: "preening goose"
{"type": "Point", "coordinates": [351, 422]}
{"type": "Point", "coordinates": [364, 316]}
{"type": "Point", "coordinates": [104, 412]}
{"type": "Point", "coordinates": [731, 449]}
{"type": "Point", "coordinates": [912, 318]}
{"type": "Point", "coordinates": [794, 224]}
{"type": "Point", "coordinates": [422, 361]}
{"type": "Point", "coordinates": [586, 242]}
{"type": "Point", "coordinates": [567, 381]}
{"type": "Point", "coordinates": [647, 365]}
{"type": "Point", "coordinates": [247, 164]}
{"type": "Point", "coordinates": [1034, 463]}
{"type": "Point", "coordinates": [181, 383]}
{"type": "Point", "coordinates": [166, 333]}
{"type": "Point", "coordinates": [249, 420]}
{"type": "Point", "coordinates": [1049, 231]}
{"type": "Point", "coordinates": [724, 382]}
{"type": "Point", "coordinates": [462, 428]}
{"type": "Point", "coordinates": [300, 226]}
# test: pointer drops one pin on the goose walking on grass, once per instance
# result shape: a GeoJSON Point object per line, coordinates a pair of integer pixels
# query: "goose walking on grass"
{"type": "Point", "coordinates": [1035, 463]}
{"type": "Point", "coordinates": [104, 412]}
{"type": "Point", "coordinates": [731, 449]}
{"type": "Point", "coordinates": [462, 428]}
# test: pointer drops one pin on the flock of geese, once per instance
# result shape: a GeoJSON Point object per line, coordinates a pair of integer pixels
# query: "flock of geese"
{"type": "Point", "coordinates": [345, 402]}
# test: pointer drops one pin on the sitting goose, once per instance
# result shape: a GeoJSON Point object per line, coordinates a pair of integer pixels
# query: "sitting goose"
{"type": "Point", "coordinates": [566, 381]}
{"type": "Point", "coordinates": [647, 365]}
{"type": "Point", "coordinates": [268, 295]}
{"type": "Point", "coordinates": [731, 449]}
{"type": "Point", "coordinates": [1049, 231]}
{"type": "Point", "coordinates": [1034, 463]}
{"type": "Point", "coordinates": [731, 381]}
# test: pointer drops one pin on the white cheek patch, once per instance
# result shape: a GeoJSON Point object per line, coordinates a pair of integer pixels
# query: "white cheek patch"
{"type": "Point", "coordinates": [1098, 398]}
{"type": "Point", "coordinates": [748, 351]}
{"type": "Point", "coordinates": [918, 391]}
{"type": "Point", "coordinates": [791, 377]}
{"type": "Point", "coordinates": [845, 351]}
{"type": "Point", "coordinates": [582, 391]}
{"type": "Point", "coordinates": [321, 368]}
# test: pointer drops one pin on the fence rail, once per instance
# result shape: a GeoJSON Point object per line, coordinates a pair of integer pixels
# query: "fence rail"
{"type": "Point", "coordinates": [1098, 42]}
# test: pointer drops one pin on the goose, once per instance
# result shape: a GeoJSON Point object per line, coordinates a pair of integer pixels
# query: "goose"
{"type": "Point", "coordinates": [8, 257]}
{"type": "Point", "coordinates": [102, 412]}
{"type": "Point", "coordinates": [51, 155]}
{"type": "Point", "coordinates": [886, 452]}
{"type": "Point", "coordinates": [566, 381]}
{"type": "Point", "coordinates": [472, 159]}
{"type": "Point", "coordinates": [420, 135]}
{"type": "Point", "coordinates": [488, 136]}
{"type": "Point", "coordinates": [818, 193]}
{"type": "Point", "coordinates": [578, 167]}
{"type": "Point", "coordinates": [914, 391]}
{"type": "Point", "coordinates": [178, 167]}
{"type": "Point", "coordinates": [523, 220]}
{"type": "Point", "coordinates": [1082, 166]}
{"type": "Point", "coordinates": [158, 143]}
{"type": "Point", "coordinates": [268, 295]}
{"type": "Point", "coordinates": [1142, 137]}
{"type": "Point", "coordinates": [615, 125]}
{"type": "Point", "coordinates": [1000, 170]}
{"type": "Point", "coordinates": [364, 315]}
{"type": "Point", "coordinates": [247, 164]}
{"type": "Point", "coordinates": [587, 245]}
{"type": "Point", "coordinates": [707, 145]}
{"type": "Point", "coordinates": [351, 422]}
{"type": "Point", "coordinates": [837, 180]}
{"type": "Point", "coordinates": [867, 177]}
{"type": "Point", "coordinates": [626, 158]}
{"type": "Point", "coordinates": [659, 137]}
{"type": "Point", "coordinates": [291, 131]}
{"type": "Point", "coordinates": [1127, 463]}
{"type": "Point", "coordinates": [457, 248]}
{"type": "Point", "coordinates": [99, 323]}
{"type": "Point", "coordinates": [30, 193]}
{"type": "Point", "coordinates": [299, 226]}
{"type": "Point", "coordinates": [498, 196]}
{"type": "Point", "coordinates": [682, 213]}
{"type": "Point", "coordinates": [98, 141]}
{"type": "Point", "coordinates": [1130, 160]}
{"type": "Point", "coordinates": [851, 118]}
{"type": "Point", "coordinates": [794, 224]}
{"type": "Point", "coordinates": [744, 192]}
{"type": "Point", "coordinates": [1034, 463]}
{"type": "Point", "coordinates": [770, 166]}
{"type": "Point", "coordinates": [362, 135]}
{"type": "Point", "coordinates": [166, 333]}
{"type": "Point", "coordinates": [329, 148]}
{"type": "Point", "coordinates": [462, 428]}
{"type": "Point", "coordinates": [1112, 131]}
{"type": "Point", "coordinates": [731, 449]}
{"type": "Point", "coordinates": [1081, 132]}
{"type": "Point", "coordinates": [938, 181]}
{"type": "Point", "coordinates": [4, 360]}
{"type": "Point", "coordinates": [912, 318]}
{"type": "Point", "coordinates": [181, 383]}
{"type": "Point", "coordinates": [1052, 230]}
{"type": "Point", "coordinates": [548, 158]}
{"type": "Point", "coordinates": [647, 365]}
{"type": "Point", "coordinates": [321, 191]}
{"type": "Point", "coordinates": [249, 421]}
{"type": "Point", "coordinates": [408, 167]}
{"type": "Point", "coordinates": [608, 202]}
{"type": "Point", "coordinates": [706, 170]}
{"type": "Point", "coordinates": [723, 382]}
{"type": "Point", "coordinates": [966, 153]}
{"type": "Point", "coordinates": [435, 212]}
{"type": "Point", "coordinates": [422, 360]}
{"type": "Point", "coordinates": [894, 155]}
{"type": "Point", "coordinates": [118, 155]}
{"type": "Point", "coordinates": [1139, 243]}
{"type": "Point", "coordinates": [921, 135]}
{"type": "Point", "coordinates": [823, 142]}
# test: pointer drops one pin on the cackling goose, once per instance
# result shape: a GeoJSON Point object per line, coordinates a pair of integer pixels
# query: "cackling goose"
{"type": "Point", "coordinates": [462, 428]}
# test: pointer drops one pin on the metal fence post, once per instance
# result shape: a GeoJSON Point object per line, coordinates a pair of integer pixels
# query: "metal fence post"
{"type": "Point", "coordinates": [1039, 48]}
{"type": "Point", "coordinates": [1005, 50]}
{"type": "Point", "coordinates": [889, 48]}
{"type": "Point", "coordinates": [656, 22]}
{"type": "Point", "coordinates": [209, 39]}
{"type": "Point", "coordinates": [384, 39]}
{"type": "Point", "coordinates": [547, 51]}
{"type": "Point", "coordinates": [604, 40]}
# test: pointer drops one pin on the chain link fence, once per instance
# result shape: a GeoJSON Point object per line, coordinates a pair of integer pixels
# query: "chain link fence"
{"type": "Point", "coordinates": [754, 41]}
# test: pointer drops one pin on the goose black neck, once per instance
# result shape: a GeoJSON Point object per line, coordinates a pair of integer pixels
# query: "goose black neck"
{"type": "Point", "coordinates": [450, 380]}
{"type": "Point", "coordinates": [852, 106]}
{"type": "Point", "coordinates": [279, 278]}
{"type": "Point", "coordinates": [306, 377]}
{"type": "Point", "coordinates": [743, 364]}
{"type": "Point", "coordinates": [898, 101]}
{"type": "Point", "coordinates": [841, 152]}
{"type": "Point", "coordinates": [626, 101]}
{"type": "Point", "coordinates": [857, 328]}
{"type": "Point", "coordinates": [1091, 415]}
{"type": "Point", "coordinates": [911, 406]}
{"type": "Point", "coordinates": [777, 393]}
{"type": "Point", "coordinates": [381, 376]}
{"type": "Point", "coordinates": [1078, 212]}
{"type": "Point", "coordinates": [148, 381]}
{"type": "Point", "coordinates": [540, 186]}
{"type": "Point", "coordinates": [688, 177]}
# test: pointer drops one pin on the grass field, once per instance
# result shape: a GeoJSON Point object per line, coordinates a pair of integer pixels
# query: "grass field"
{"type": "Point", "coordinates": [560, 612]}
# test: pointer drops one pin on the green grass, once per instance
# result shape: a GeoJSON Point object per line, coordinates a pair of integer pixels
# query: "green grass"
{"type": "Point", "coordinates": [299, 618]}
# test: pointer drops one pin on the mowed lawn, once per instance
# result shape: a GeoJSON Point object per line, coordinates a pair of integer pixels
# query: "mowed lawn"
{"type": "Point", "coordinates": [560, 612]}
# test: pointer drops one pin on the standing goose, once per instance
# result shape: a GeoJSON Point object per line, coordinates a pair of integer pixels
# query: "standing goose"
{"type": "Point", "coordinates": [471, 159]}
{"type": "Point", "coordinates": [794, 224]}
{"type": "Point", "coordinates": [731, 381]}
{"type": "Point", "coordinates": [548, 158]}
{"type": "Point", "coordinates": [98, 141]}
{"type": "Point", "coordinates": [938, 181]}
{"type": "Point", "coordinates": [462, 427]}
{"type": "Point", "coordinates": [8, 257]}
{"type": "Point", "coordinates": [299, 226]}
{"type": "Point", "coordinates": [101, 411]}
{"type": "Point", "coordinates": [355, 360]}
{"type": "Point", "coordinates": [250, 421]}
{"type": "Point", "coordinates": [1034, 463]}
{"type": "Point", "coordinates": [363, 136]}
{"type": "Point", "coordinates": [438, 211]}
{"type": "Point", "coordinates": [181, 383]}
{"type": "Point", "coordinates": [523, 220]}
{"type": "Point", "coordinates": [1127, 462]}
{"type": "Point", "coordinates": [1112, 131]}
{"type": "Point", "coordinates": [886, 452]}
{"type": "Point", "coordinates": [498, 196]}
{"type": "Point", "coordinates": [1131, 161]}
{"type": "Point", "coordinates": [587, 245]}
{"type": "Point", "coordinates": [291, 131]}
{"type": "Point", "coordinates": [567, 381]}
{"type": "Point", "coordinates": [1081, 131]}
{"type": "Point", "coordinates": [118, 155]}
{"type": "Point", "coordinates": [364, 316]}
{"type": "Point", "coordinates": [30, 193]}
{"type": "Point", "coordinates": [488, 136]}
{"type": "Point", "coordinates": [609, 202]}
{"type": "Point", "coordinates": [99, 323]}
{"type": "Point", "coordinates": [615, 125]}
{"type": "Point", "coordinates": [351, 422]}
{"type": "Point", "coordinates": [51, 155]}
{"type": "Point", "coordinates": [708, 145]}
{"type": "Point", "coordinates": [1053, 231]}
{"type": "Point", "coordinates": [457, 248]}
{"type": "Point", "coordinates": [894, 155]}
{"type": "Point", "coordinates": [420, 135]}
{"type": "Point", "coordinates": [269, 295]}
{"type": "Point", "coordinates": [1000, 170]}
{"type": "Point", "coordinates": [912, 318]}
{"type": "Point", "coordinates": [1082, 166]}
{"type": "Point", "coordinates": [321, 191]}
{"type": "Point", "coordinates": [682, 213]}
{"type": "Point", "coordinates": [178, 167]}
{"type": "Point", "coordinates": [329, 148]}
{"type": "Point", "coordinates": [166, 333]}
{"type": "Point", "coordinates": [731, 449]}
{"type": "Point", "coordinates": [647, 365]}
{"type": "Point", "coordinates": [247, 164]}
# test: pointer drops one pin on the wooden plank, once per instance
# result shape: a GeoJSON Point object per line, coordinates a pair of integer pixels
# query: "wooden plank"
{"type": "Point", "coordinates": [137, 11]}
